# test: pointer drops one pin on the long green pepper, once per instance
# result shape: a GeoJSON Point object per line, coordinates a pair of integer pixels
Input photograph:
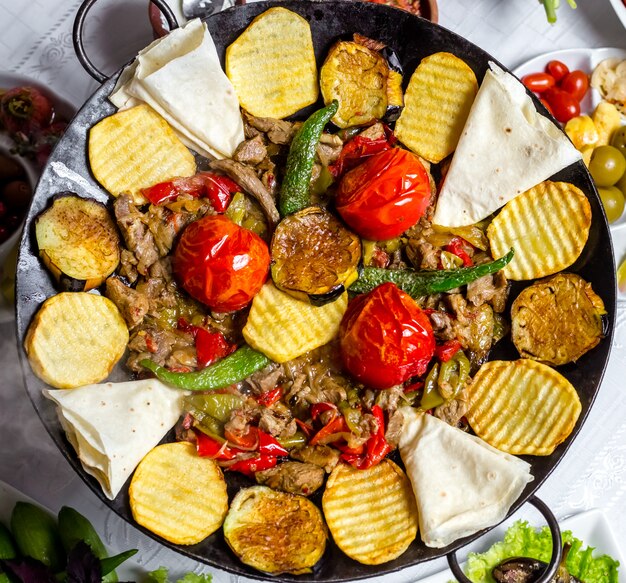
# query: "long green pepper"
{"type": "Point", "coordinates": [422, 283]}
{"type": "Point", "coordinates": [231, 369]}
{"type": "Point", "coordinates": [294, 191]}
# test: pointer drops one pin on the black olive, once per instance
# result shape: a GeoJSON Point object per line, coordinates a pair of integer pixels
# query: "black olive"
{"type": "Point", "coordinates": [16, 194]}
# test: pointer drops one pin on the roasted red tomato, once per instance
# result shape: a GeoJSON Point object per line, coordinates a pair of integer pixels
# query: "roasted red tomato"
{"type": "Point", "coordinates": [384, 196]}
{"type": "Point", "coordinates": [220, 263]}
{"type": "Point", "coordinates": [385, 338]}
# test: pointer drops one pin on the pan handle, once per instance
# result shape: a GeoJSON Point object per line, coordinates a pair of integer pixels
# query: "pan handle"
{"type": "Point", "coordinates": [557, 549]}
{"type": "Point", "coordinates": [78, 34]}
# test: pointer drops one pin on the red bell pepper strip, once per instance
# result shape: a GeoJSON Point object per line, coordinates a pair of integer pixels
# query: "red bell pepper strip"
{"type": "Point", "coordinates": [250, 466]}
{"type": "Point", "coordinates": [217, 188]}
{"type": "Point", "coordinates": [318, 408]}
{"type": "Point", "coordinates": [354, 151]}
{"type": "Point", "coordinates": [376, 447]}
{"type": "Point", "coordinates": [413, 387]}
{"type": "Point", "coordinates": [305, 427]}
{"type": "Point", "coordinates": [336, 425]}
{"type": "Point", "coordinates": [444, 352]}
{"type": "Point", "coordinates": [268, 445]}
{"type": "Point", "coordinates": [268, 398]}
{"type": "Point", "coordinates": [457, 246]}
{"type": "Point", "coordinates": [207, 446]}
{"type": "Point", "coordinates": [211, 346]}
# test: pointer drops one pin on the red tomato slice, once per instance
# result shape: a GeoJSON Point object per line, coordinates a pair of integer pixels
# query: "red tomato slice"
{"type": "Point", "coordinates": [384, 196]}
{"type": "Point", "coordinates": [538, 82]}
{"type": "Point", "coordinates": [557, 69]}
{"type": "Point", "coordinates": [220, 263]}
{"type": "Point", "coordinates": [576, 84]}
{"type": "Point", "coordinates": [385, 338]}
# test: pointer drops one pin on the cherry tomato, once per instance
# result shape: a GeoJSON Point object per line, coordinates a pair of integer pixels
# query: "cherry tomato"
{"type": "Point", "coordinates": [385, 338]}
{"type": "Point", "coordinates": [546, 105]}
{"type": "Point", "coordinates": [385, 195]}
{"type": "Point", "coordinates": [564, 106]}
{"type": "Point", "coordinates": [220, 263]}
{"type": "Point", "coordinates": [538, 82]}
{"type": "Point", "coordinates": [557, 69]}
{"type": "Point", "coordinates": [576, 84]}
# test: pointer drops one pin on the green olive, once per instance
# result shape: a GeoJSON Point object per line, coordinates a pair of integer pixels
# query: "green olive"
{"type": "Point", "coordinates": [607, 165]}
{"type": "Point", "coordinates": [618, 140]}
{"type": "Point", "coordinates": [621, 184]}
{"type": "Point", "coordinates": [613, 201]}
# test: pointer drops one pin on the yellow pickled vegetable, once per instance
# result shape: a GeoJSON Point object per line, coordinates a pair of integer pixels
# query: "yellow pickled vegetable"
{"type": "Point", "coordinates": [582, 131]}
{"type": "Point", "coordinates": [607, 119]}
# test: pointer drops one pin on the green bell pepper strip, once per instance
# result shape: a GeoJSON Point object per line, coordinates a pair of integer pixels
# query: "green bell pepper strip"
{"type": "Point", "coordinates": [231, 369]}
{"type": "Point", "coordinates": [422, 283]}
{"type": "Point", "coordinates": [453, 375]}
{"type": "Point", "coordinates": [295, 189]}
{"type": "Point", "coordinates": [431, 397]}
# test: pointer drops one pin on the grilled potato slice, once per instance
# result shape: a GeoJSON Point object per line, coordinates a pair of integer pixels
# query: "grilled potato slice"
{"type": "Point", "coordinates": [134, 149]}
{"type": "Point", "coordinates": [78, 242]}
{"type": "Point", "coordinates": [557, 320]}
{"type": "Point", "coordinates": [522, 407]}
{"type": "Point", "coordinates": [75, 339]}
{"type": "Point", "coordinates": [314, 257]}
{"type": "Point", "coordinates": [177, 494]}
{"type": "Point", "coordinates": [371, 513]}
{"type": "Point", "coordinates": [272, 64]}
{"type": "Point", "coordinates": [275, 532]}
{"type": "Point", "coordinates": [283, 328]}
{"type": "Point", "coordinates": [547, 226]}
{"type": "Point", "coordinates": [437, 102]}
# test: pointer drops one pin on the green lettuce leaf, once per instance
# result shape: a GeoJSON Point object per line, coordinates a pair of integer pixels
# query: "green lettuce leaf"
{"type": "Point", "coordinates": [162, 576]}
{"type": "Point", "coordinates": [523, 540]}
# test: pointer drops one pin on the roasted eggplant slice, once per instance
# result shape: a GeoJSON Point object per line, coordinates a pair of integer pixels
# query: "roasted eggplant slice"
{"type": "Point", "coordinates": [78, 242]}
{"type": "Point", "coordinates": [314, 257]}
{"type": "Point", "coordinates": [556, 320]}
{"type": "Point", "coordinates": [360, 79]}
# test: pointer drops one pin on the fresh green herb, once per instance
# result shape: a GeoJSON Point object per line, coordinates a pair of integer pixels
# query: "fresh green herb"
{"type": "Point", "coordinates": [523, 540]}
{"type": "Point", "coordinates": [162, 576]}
{"type": "Point", "coordinates": [551, 6]}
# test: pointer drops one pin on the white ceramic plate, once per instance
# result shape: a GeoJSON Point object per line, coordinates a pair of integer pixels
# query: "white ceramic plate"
{"type": "Point", "coordinates": [591, 527]}
{"type": "Point", "coordinates": [620, 10]}
{"type": "Point", "coordinates": [586, 60]}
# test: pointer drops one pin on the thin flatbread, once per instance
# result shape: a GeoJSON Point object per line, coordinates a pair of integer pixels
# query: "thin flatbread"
{"type": "Point", "coordinates": [181, 78]}
{"type": "Point", "coordinates": [506, 148]}
{"type": "Point", "coordinates": [461, 483]}
{"type": "Point", "coordinates": [112, 426]}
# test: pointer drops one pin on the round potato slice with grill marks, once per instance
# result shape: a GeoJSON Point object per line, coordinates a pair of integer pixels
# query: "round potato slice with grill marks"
{"type": "Point", "coordinates": [371, 513]}
{"type": "Point", "coordinates": [557, 320]}
{"type": "Point", "coordinates": [547, 226]}
{"type": "Point", "coordinates": [275, 532]}
{"type": "Point", "coordinates": [522, 407]}
{"type": "Point", "coordinates": [178, 495]}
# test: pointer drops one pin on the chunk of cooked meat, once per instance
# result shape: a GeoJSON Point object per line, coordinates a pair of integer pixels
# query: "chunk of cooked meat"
{"type": "Point", "coordinates": [390, 399]}
{"type": "Point", "coordinates": [394, 428]}
{"type": "Point", "coordinates": [374, 132]}
{"type": "Point", "coordinates": [278, 131]}
{"type": "Point", "coordinates": [293, 477]}
{"type": "Point", "coordinates": [245, 177]}
{"type": "Point", "coordinates": [454, 410]}
{"type": "Point", "coordinates": [128, 266]}
{"type": "Point", "coordinates": [132, 304]}
{"type": "Point", "coordinates": [277, 423]}
{"type": "Point", "coordinates": [481, 290]}
{"type": "Point", "coordinates": [320, 455]}
{"type": "Point", "coordinates": [137, 235]}
{"type": "Point", "coordinates": [422, 254]}
{"type": "Point", "coordinates": [441, 323]}
{"type": "Point", "coordinates": [265, 379]}
{"type": "Point", "coordinates": [501, 284]}
{"type": "Point", "coordinates": [159, 345]}
{"type": "Point", "coordinates": [252, 151]}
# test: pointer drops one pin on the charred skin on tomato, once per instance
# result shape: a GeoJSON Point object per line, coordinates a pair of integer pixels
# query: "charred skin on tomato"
{"type": "Point", "coordinates": [385, 338]}
{"type": "Point", "coordinates": [220, 263]}
{"type": "Point", "coordinates": [314, 257]}
{"type": "Point", "coordinates": [385, 195]}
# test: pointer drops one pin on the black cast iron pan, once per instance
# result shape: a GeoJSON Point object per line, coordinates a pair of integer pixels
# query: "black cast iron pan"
{"type": "Point", "coordinates": [412, 38]}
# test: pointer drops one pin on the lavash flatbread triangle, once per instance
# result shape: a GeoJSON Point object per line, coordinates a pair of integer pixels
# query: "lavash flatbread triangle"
{"type": "Point", "coordinates": [113, 425]}
{"type": "Point", "coordinates": [461, 483]}
{"type": "Point", "coordinates": [181, 78]}
{"type": "Point", "coordinates": [506, 147]}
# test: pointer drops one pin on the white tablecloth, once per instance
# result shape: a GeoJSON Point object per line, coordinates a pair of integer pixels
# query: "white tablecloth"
{"type": "Point", "coordinates": [36, 41]}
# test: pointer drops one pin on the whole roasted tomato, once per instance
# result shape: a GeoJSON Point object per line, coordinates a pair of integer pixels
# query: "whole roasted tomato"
{"type": "Point", "coordinates": [384, 196]}
{"type": "Point", "coordinates": [385, 338]}
{"type": "Point", "coordinates": [220, 263]}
